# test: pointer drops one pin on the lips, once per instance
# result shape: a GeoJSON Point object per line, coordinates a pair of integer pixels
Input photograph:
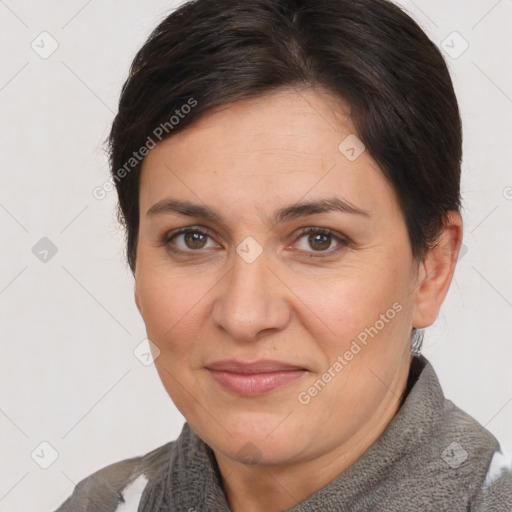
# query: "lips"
{"type": "Point", "coordinates": [254, 378]}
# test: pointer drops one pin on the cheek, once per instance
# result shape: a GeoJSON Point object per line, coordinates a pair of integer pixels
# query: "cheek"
{"type": "Point", "coordinates": [360, 325]}
{"type": "Point", "coordinates": [346, 302]}
{"type": "Point", "coordinates": [174, 313]}
{"type": "Point", "coordinates": [173, 306]}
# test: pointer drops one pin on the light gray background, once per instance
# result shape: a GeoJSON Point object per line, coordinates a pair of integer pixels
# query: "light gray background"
{"type": "Point", "coordinates": [69, 325]}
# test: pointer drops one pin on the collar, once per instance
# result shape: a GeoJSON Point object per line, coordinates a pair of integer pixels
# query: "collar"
{"type": "Point", "coordinates": [192, 482]}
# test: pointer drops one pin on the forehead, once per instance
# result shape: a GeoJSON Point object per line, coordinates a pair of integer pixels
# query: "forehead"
{"type": "Point", "coordinates": [290, 145]}
{"type": "Point", "coordinates": [289, 119]}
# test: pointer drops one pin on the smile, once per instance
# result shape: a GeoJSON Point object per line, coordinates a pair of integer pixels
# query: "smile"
{"type": "Point", "coordinates": [252, 379]}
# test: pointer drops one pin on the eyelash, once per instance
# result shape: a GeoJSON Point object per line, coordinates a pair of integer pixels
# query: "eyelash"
{"type": "Point", "coordinates": [342, 241]}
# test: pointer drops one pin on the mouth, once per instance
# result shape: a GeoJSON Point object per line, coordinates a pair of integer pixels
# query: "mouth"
{"type": "Point", "coordinates": [253, 379]}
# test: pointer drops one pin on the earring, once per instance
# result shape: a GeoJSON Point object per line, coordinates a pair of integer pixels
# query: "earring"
{"type": "Point", "coordinates": [416, 341]}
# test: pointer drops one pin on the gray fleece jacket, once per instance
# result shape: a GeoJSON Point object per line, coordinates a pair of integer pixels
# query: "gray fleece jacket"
{"type": "Point", "coordinates": [432, 457]}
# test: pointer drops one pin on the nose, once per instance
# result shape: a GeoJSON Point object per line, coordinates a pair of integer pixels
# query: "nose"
{"type": "Point", "coordinates": [251, 300]}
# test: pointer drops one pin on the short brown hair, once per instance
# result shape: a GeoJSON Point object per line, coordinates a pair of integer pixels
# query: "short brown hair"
{"type": "Point", "coordinates": [368, 52]}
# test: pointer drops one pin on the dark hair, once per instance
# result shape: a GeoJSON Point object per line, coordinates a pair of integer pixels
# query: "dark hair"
{"type": "Point", "coordinates": [368, 52]}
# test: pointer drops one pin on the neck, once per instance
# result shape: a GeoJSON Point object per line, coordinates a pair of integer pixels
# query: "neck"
{"type": "Point", "coordinates": [274, 488]}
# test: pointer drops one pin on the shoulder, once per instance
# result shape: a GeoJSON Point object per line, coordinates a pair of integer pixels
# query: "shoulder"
{"type": "Point", "coordinates": [495, 494]}
{"type": "Point", "coordinates": [492, 488]}
{"type": "Point", "coordinates": [450, 458]}
{"type": "Point", "coordinates": [118, 483]}
{"type": "Point", "coordinates": [471, 446]}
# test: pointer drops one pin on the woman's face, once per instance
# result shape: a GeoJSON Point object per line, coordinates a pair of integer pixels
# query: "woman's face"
{"type": "Point", "coordinates": [325, 317]}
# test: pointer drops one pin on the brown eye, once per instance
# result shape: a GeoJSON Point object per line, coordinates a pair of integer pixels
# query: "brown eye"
{"type": "Point", "coordinates": [320, 240]}
{"type": "Point", "coordinates": [188, 240]}
{"type": "Point", "coordinates": [194, 239]}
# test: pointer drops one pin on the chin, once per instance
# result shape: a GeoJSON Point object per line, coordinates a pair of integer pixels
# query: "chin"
{"type": "Point", "coordinates": [259, 440]}
{"type": "Point", "coordinates": [261, 452]}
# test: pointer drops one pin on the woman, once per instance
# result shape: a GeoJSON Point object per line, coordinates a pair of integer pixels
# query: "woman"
{"type": "Point", "coordinates": [288, 176]}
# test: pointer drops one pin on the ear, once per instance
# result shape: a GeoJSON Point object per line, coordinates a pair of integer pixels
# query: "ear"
{"type": "Point", "coordinates": [436, 271]}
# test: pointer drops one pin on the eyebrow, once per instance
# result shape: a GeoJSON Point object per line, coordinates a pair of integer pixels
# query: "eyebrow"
{"type": "Point", "coordinates": [301, 209]}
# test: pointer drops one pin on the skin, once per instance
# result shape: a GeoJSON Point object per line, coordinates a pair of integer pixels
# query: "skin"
{"type": "Point", "coordinates": [303, 300]}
